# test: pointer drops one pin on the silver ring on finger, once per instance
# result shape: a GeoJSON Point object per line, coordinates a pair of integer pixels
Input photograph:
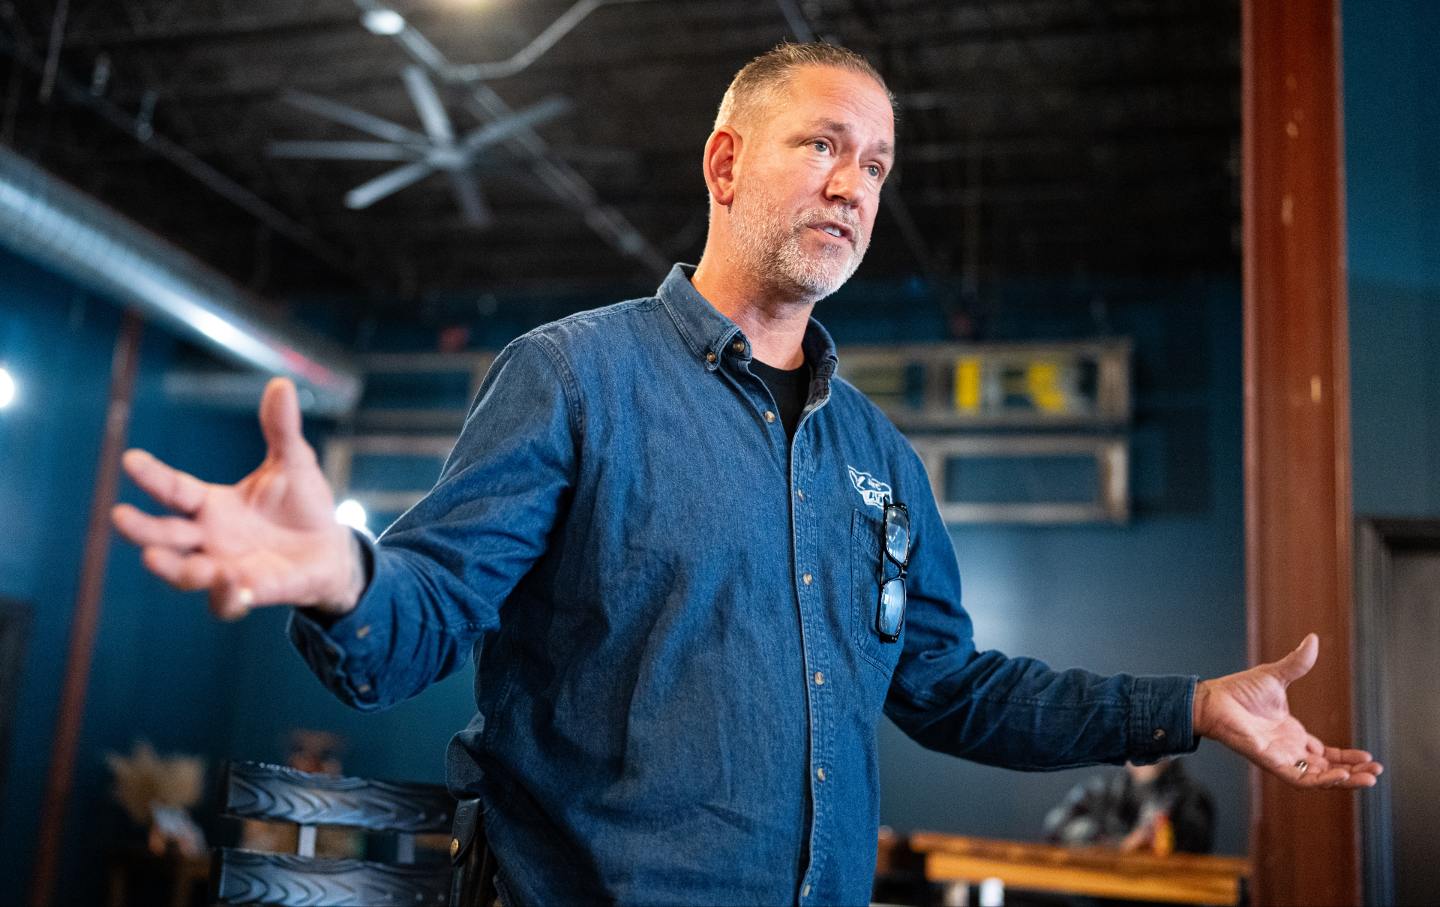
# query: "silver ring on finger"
{"type": "Point", "coordinates": [1303, 766]}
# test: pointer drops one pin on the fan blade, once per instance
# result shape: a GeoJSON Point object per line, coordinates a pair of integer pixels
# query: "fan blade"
{"type": "Point", "coordinates": [472, 203]}
{"type": "Point", "coordinates": [367, 194]}
{"type": "Point", "coordinates": [341, 151]}
{"type": "Point", "coordinates": [427, 103]}
{"type": "Point", "coordinates": [349, 116]}
{"type": "Point", "coordinates": [500, 130]}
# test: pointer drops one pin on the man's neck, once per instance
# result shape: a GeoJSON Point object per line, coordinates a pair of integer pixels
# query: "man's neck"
{"type": "Point", "coordinates": [774, 324]}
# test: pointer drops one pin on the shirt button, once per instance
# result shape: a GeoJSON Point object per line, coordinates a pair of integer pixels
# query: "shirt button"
{"type": "Point", "coordinates": [1159, 733]}
{"type": "Point", "coordinates": [710, 358]}
{"type": "Point", "coordinates": [820, 773]}
{"type": "Point", "coordinates": [805, 892]}
{"type": "Point", "coordinates": [800, 493]}
{"type": "Point", "coordinates": [738, 346]}
{"type": "Point", "coordinates": [769, 416]}
{"type": "Point", "coordinates": [819, 678]}
{"type": "Point", "coordinates": [363, 688]}
{"type": "Point", "coordinates": [362, 632]}
{"type": "Point", "coordinates": [807, 579]}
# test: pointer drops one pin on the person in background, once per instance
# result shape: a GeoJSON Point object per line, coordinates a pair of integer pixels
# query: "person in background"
{"type": "Point", "coordinates": [1155, 808]}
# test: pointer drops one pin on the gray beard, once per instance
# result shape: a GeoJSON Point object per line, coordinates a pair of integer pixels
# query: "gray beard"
{"type": "Point", "coordinates": [772, 249]}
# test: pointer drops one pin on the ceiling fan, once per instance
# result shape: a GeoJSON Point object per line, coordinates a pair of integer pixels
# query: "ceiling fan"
{"type": "Point", "coordinates": [438, 149]}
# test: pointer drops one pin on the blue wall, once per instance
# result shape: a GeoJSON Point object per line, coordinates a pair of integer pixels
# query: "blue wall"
{"type": "Point", "coordinates": [1164, 594]}
{"type": "Point", "coordinates": [1392, 173]}
{"type": "Point", "coordinates": [162, 668]}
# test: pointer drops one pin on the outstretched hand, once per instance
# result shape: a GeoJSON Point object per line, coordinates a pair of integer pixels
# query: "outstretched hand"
{"type": "Point", "coordinates": [1249, 713]}
{"type": "Point", "coordinates": [270, 538]}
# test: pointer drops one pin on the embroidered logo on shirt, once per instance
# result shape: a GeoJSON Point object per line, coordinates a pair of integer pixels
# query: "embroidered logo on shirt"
{"type": "Point", "coordinates": [872, 491]}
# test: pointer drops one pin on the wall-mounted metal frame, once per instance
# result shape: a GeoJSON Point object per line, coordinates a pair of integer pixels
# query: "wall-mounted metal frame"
{"type": "Point", "coordinates": [1111, 502]}
{"type": "Point", "coordinates": [1084, 418]}
{"type": "Point", "coordinates": [1066, 384]}
{"type": "Point", "coordinates": [375, 366]}
{"type": "Point", "coordinates": [340, 454]}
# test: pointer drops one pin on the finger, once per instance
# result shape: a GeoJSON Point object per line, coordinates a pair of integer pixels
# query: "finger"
{"type": "Point", "coordinates": [1331, 778]}
{"type": "Point", "coordinates": [280, 421]}
{"type": "Point", "coordinates": [188, 572]}
{"type": "Point", "coordinates": [1299, 662]}
{"type": "Point", "coordinates": [1347, 757]}
{"type": "Point", "coordinates": [145, 530]}
{"type": "Point", "coordinates": [177, 490]}
{"type": "Point", "coordinates": [230, 599]}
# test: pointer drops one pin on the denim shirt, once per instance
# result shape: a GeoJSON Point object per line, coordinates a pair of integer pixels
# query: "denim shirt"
{"type": "Point", "coordinates": [672, 609]}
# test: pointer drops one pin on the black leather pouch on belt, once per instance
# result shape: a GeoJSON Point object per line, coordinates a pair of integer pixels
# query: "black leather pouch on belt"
{"type": "Point", "coordinates": [472, 881]}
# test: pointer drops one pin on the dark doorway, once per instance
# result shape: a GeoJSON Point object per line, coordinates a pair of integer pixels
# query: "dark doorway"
{"type": "Point", "coordinates": [1398, 635]}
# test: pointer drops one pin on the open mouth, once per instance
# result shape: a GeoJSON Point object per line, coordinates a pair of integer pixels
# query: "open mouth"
{"type": "Point", "coordinates": [839, 231]}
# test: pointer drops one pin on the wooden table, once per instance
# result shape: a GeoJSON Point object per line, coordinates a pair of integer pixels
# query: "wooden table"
{"type": "Point", "coordinates": [1178, 878]}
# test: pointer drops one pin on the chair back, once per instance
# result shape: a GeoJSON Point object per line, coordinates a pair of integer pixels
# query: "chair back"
{"type": "Point", "coordinates": [275, 793]}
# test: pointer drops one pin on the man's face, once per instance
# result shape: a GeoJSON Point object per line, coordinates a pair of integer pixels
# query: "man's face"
{"type": "Point", "coordinates": [812, 169]}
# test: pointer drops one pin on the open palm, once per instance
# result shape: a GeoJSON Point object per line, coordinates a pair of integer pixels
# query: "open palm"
{"type": "Point", "coordinates": [271, 538]}
{"type": "Point", "coordinates": [1250, 713]}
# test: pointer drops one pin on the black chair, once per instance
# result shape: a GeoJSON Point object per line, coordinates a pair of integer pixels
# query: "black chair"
{"type": "Point", "coordinates": [279, 794]}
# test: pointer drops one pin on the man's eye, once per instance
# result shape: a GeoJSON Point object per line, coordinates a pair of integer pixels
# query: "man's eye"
{"type": "Point", "coordinates": [875, 170]}
{"type": "Point", "coordinates": [820, 145]}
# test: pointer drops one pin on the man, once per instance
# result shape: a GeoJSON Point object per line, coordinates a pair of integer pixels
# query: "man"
{"type": "Point", "coordinates": [1157, 808]}
{"type": "Point", "coordinates": [693, 564]}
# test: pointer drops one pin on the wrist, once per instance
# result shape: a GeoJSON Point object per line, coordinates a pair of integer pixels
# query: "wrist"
{"type": "Point", "coordinates": [352, 579]}
{"type": "Point", "coordinates": [1197, 712]}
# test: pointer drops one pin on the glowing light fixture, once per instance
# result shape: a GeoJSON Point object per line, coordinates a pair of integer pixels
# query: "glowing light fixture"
{"type": "Point", "coordinates": [351, 513]}
{"type": "Point", "coordinates": [381, 21]}
{"type": "Point", "coordinates": [7, 388]}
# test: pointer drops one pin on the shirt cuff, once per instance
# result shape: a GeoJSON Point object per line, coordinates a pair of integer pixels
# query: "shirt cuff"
{"type": "Point", "coordinates": [346, 651]}
{"type": "Point", "coordinates": [1161, 716]}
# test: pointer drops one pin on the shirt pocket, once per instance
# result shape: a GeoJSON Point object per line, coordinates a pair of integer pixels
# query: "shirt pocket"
{"type": "Point", "coordinates": [865, 572]}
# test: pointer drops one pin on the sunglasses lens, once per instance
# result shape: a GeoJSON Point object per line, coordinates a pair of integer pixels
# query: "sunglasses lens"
{"type": "Point", "coordinates": [892, 607]}
{"type": "Point", "coordinates": [897, 534]}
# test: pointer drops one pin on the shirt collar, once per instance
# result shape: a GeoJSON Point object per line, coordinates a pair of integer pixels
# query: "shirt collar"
{"type": "Point", "coordinates": [710, 335]}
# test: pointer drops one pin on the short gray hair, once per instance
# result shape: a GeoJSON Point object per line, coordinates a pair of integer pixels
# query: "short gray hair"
{"type": "Point", "coordinates": [758, 84]}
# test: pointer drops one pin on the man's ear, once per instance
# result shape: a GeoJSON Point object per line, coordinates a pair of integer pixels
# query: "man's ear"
{"type": "Point", "coordinates": [722, 151]}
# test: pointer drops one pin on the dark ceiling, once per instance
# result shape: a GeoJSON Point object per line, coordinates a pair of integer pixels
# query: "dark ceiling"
{"type": "Point", "coordinates": [1036, 136]}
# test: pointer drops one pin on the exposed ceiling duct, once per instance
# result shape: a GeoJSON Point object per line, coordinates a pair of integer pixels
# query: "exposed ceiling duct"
{"type": "Point", "coordinates": [52, 223]}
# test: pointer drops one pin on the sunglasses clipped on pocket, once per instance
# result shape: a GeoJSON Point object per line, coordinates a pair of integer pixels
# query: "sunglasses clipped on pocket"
{"type": "Point", "coordinates": [890, 612]}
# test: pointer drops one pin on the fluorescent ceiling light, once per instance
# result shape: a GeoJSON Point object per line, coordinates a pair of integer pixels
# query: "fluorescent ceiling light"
{"type": "Point", "coordinates": [383, 21]}
{"type": "Point", "coordinates": [7, 388]}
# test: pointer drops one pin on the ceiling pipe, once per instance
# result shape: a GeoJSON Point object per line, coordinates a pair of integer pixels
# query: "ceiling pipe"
{"type": "Point", "coordinates": [48, 221]}
{"type": "Point", "coordinates": [144, 132]}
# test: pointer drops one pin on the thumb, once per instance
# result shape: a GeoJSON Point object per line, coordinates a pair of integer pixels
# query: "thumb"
{"type": "Point", "coordinates": [280, 420]}
{"type": "Point", "coordinates": [1299, 662]}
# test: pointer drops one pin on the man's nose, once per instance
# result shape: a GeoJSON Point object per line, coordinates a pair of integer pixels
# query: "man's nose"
{"type": "Point", "coordinates": [847, 184]}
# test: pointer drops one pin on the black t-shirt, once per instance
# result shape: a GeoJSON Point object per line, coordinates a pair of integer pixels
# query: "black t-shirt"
{"type": "Point", "coordinates": [790, 388]}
